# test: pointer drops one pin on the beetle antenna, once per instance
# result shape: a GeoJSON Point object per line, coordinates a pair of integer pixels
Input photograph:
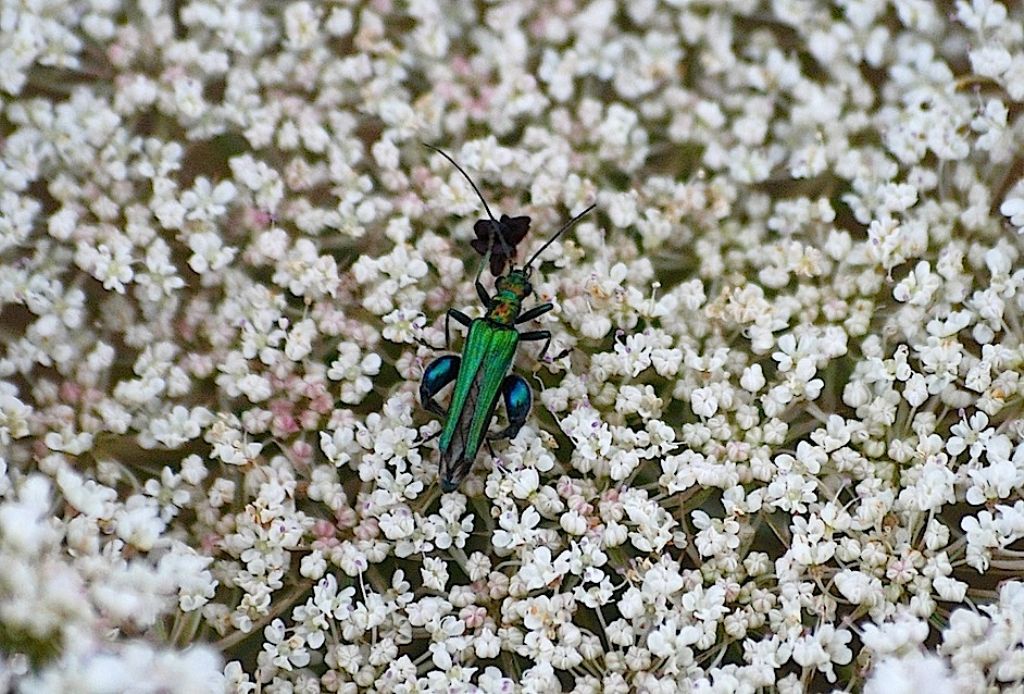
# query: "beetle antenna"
{"type": "Point", "coordinates": [497, 226]}
{"type": "Point", "coordinates": [461, 171]}
{"type": "Point", "coordinates": [557, 234]}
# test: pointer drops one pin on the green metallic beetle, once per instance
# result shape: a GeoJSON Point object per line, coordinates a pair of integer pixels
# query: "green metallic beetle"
{"type": "Point", "coordinates": [481, 373]}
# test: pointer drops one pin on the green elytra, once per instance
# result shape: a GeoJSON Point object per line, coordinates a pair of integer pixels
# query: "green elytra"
{"type": "Point", "coordinates": [481, 372]}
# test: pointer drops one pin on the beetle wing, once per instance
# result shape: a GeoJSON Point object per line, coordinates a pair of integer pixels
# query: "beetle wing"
{"type": "Point", "coordinates": [486, 358]}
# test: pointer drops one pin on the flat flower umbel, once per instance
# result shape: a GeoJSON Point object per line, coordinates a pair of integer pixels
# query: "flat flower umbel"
{"type": "Point", "coordinates": [787, 452]}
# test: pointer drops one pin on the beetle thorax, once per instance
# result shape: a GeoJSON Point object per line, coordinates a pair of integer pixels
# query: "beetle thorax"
{"type": "Point", "coordinates": [506, 305]}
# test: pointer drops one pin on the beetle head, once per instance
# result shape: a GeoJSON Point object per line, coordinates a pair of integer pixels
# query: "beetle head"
{"type": "Point", "coordinates": [517, 282]}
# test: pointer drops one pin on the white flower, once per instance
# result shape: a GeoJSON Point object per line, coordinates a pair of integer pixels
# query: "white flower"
{"type": "Point", "coordinates": [980, 14]}
{"type": "Point", "coordinates": [139, 522]}
{"type": "Point", "coordinates": [401, 326]}
{"type": "Point", "coordinates": [179, 426]}
{"type": "Point", "coordinates": [204, 201]}
{"type": "Point", "coordinates": [299, 342]}
{"type": "Point", "coordinates": [112, 265]}
{"type": "Point", "coordinates": [912, 672]}
{"type": "Point", "coordinates": [973, 433]}
{"type": "Point", "coordinates": [515, 531]}
{"type": "Point", "coordinates": [859, 588]}
{"type": "Point", "coordinates": [990, 61]}
{"type": "Point", "coordinates": [993, 482]}
{"type": "Point", "coordinates": [703, 402]}
{"type": "Point", "coordinates": [753, 379]}
{"type": "Point", "coordinates": [933, 488]}
{"type": "Point", "coordinates": [435, 574]}
{"type": "Point", "coordinates": [353, 369]}
{"type": "Point", "coordinates": [208, 253]}
{"type": "Point", "coordinates": [1013, 207]}
{"type": "Point", "coordinates": [573, 522]}
{"type": "Point", "coordinates": [301, 28]}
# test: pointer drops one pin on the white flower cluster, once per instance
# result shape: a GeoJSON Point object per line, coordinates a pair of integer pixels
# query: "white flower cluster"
{"type": "Point", "coordinates": [783, 448]}
{"type": "Point", "coordinates": [70, 578]}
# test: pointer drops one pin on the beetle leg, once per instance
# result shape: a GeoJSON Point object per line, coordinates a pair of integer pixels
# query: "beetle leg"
{"type": "Point", "coordinates": [534, 312]}
{"type": "Point", "coordinates": [534, 335]}
{"type": "Point", "coordinates": [457, 315]}
{"type": "Point", "coordinates": [543, 335]}
{"type": "Point", "coordinates": [563, 353]}
{"type": "Point", "coordinates": [495, 460]}
{"type": "Point", "coordinates": [436, 376]}
{"type": "Point", "coordinates": [518, 399]}
{"type": "Point", "coordinates": [485, 299]}
{"type": "Point", "coordinates": [430, 438]}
